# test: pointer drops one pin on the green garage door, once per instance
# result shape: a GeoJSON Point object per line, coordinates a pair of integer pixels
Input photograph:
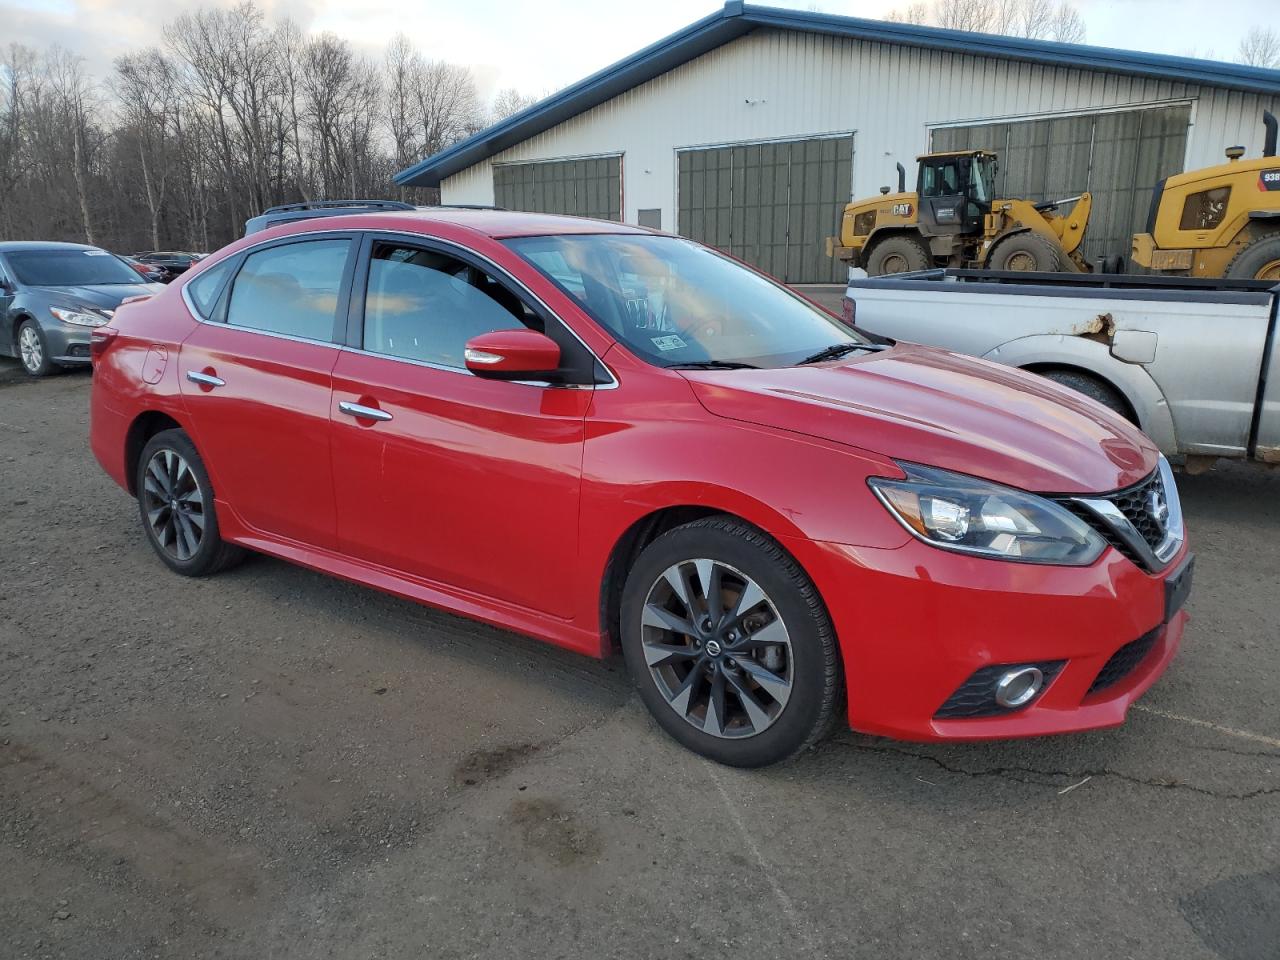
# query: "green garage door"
{"type": "Point", "coordinates": [1118, 157]}
{"type": "Point", "coordinates": [590, 187]}
{"type": "Point", "coordinates": [770, 204]}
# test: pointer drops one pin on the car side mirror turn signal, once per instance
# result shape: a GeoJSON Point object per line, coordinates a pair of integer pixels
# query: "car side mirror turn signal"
{"type": "Point", "coordinates": [512, 355]}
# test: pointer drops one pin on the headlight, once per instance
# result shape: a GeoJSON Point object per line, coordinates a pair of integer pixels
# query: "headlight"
{"type": "Point", "coordinates": [969, 515]}
{"type": "Point", "coordinates": [81, 317]}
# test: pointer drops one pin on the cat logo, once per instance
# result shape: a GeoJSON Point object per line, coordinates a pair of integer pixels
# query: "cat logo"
{"type": "Point", "coordinates": [903, 209]}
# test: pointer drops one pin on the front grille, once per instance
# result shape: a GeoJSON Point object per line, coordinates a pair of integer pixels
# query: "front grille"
{"type": "Point", "coordinates": [976, 697]}
{"type": "Point", "coordinates": [1135, 503]}
{"type": "Point", "coordinates": [1125, 660]}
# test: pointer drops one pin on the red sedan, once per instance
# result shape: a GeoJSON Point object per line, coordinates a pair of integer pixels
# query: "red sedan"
{"type": "Point", "coordinates": [606, 437]}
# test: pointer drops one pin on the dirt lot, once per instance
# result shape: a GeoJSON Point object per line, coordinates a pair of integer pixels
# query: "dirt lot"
{"type": "Point", "coordinates": [276, 764]}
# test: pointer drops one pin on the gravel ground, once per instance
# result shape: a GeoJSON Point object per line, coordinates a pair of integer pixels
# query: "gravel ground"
{"type": "Point", "coordinates": [272, 763]}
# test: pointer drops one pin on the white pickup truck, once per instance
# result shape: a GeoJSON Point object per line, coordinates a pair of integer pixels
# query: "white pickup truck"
{"type": "Point", "coordinates": [1194, 363]}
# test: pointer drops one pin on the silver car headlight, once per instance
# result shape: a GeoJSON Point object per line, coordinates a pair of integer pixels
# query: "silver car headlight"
{"type": "Point", "coordinates": [970, 515]}
{"type": "Point", "coordinates": [81, 317]}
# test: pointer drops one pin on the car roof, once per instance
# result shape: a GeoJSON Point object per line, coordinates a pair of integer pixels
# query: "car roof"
{"type": "Point", "coordinates": [9, 246]}
{"type": "Point", "coordinates": [497, 224]}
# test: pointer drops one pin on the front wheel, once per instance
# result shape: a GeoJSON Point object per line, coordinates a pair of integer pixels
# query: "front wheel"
{"type": "Point", "coordinates": [33, 352]}
{"type": "Point", "coordinates": [729, 644]}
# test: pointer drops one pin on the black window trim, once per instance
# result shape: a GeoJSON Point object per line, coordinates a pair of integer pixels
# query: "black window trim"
{"type": "Point", "coordinates": [604, 378]}
{"type": "Point", "coordinates": [218, 314]}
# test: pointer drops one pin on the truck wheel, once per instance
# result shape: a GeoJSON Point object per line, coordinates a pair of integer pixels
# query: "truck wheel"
{"type": "Point", "coordinates": [1260, 260]}
{"type": "Point", "coordinates": [1027, 252]}
{"type": "Point", "coordinates": [900, 254]}
{"type": "Point", "coordinates": [1094, 389]}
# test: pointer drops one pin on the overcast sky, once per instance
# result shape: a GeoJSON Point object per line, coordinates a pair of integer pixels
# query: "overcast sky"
{"type": "Point", "coordinates": [541, 46]}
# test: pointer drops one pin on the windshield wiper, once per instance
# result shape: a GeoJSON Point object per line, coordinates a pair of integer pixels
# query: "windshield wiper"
{"type": "Point", "coordinates": [837, 350]}
{"type": "Point", "coordinates": [712, 365]}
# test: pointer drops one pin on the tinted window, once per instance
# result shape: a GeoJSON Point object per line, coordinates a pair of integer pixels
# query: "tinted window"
{"type": "Point", "coordinates": [425, 305]}
{"type": "Point", "coordinates": [205, 288]}
{"type": "Point", "coordinates": [69, 268]}
{"type": "Point", "coordinates": [674, 302]}
{"type": "Point", "coordinates": [291, 289]}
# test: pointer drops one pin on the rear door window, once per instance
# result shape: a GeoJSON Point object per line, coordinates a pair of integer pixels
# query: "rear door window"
{"type": "Point", "coordinates": [204, 289]}
{"type": "Point", "coordinates": [293, 289]}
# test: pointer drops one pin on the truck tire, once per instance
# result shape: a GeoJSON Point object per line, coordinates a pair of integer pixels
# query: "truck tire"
{"type": "Point", "coordinates": [1094, 389]}
{"type": "Point", "coordinates": [898, 254]}
{"type": "Point", "coordinates": [1027, 252]}
{"type": "Point", "coordinates": [1260, 260]}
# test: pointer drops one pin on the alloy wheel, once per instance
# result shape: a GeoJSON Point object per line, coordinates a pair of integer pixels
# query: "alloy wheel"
{"type": "Point", "coordinates": [30, 349]}
{"type": "Point", "coordinates": [174, 504]}
{"type": "Point", "coordinates": [717, 648]}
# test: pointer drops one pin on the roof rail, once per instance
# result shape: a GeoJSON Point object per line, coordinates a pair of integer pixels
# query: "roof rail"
{"type": "Point", "coordinates": [311, 209]}
{"type": "Point", "coordinates": [329, 204]}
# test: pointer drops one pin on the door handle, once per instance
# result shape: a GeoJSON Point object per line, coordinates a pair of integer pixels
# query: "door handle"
{"type": "Point", "coordinates": [362, 412]}
{"type": "Point", "coordinates": [205, 379]}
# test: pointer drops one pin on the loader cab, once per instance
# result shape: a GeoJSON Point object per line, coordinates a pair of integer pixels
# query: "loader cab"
{"type": "Point", "coordinates": [955, 192]}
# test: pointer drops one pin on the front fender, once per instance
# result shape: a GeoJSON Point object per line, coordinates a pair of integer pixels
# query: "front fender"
{"type": "Point", "coordinates": [1131, 380]}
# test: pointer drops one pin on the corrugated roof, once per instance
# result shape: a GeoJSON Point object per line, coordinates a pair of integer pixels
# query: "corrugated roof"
{"type": "Point", "coordinates": [738, 18]}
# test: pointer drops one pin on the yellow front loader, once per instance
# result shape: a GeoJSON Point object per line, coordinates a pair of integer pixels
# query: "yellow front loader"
{"type": "Point", "coordinates": [954, 220]}
{"type": "Point", "coordinates": [1221, 221]}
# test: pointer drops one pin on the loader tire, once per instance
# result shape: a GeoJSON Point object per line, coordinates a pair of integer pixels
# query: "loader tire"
{"type": "Point", "coordinates": [1260, 260]}
{"type": "Point", "coordinates": [1027, 252]}
{"type": "Point", "coordinates": [900, 254]}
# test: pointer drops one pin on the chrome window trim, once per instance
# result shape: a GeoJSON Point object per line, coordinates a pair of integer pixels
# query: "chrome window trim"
{"type": "Point", "coordinates": [613, 383]}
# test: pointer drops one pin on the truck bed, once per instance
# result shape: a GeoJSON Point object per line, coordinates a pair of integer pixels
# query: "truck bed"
{"type": "Point", "coordinates": [1193, 358]}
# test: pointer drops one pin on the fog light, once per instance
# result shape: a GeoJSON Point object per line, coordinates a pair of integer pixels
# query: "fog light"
{"type": "Point", "coordinates": [1019, 686]}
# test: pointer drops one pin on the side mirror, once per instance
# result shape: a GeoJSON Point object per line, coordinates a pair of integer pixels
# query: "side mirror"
{"type": "Point", "coordinates": [512, 355]}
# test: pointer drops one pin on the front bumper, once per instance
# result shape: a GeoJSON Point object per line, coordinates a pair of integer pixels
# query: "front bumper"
{"type": "Point", "coordinates": [915, 623]}
{"type": "Point", "coordinates": [67, 342]}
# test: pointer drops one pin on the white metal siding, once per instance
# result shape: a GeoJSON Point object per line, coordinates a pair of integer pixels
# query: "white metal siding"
{"type": "Point", "coordinates": [776, 84]}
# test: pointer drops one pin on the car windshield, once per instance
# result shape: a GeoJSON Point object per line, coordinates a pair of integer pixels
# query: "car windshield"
{"type": "Point", "coordinates": [69, 268]}
{"type": "Point", "coordinates": [677, 303]}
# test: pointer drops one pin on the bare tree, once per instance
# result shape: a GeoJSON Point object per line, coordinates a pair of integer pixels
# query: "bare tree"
{"type": "Point", "coordinates": [1260, 48]}
{"type": "Point", "coordinates": [510, 101]}
{"type": "Point", "coordinates": [230, 115]}
{"type": "Point", "coordinates": [74, 98]}
{"type": "Point", "coordinates": [1033, 19]}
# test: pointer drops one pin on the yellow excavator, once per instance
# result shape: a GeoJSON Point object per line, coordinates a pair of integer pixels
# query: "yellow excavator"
{"type": "Point", "coordinates": [1221, 221]}
{"type": "Point", "coordinates": [953, 219]}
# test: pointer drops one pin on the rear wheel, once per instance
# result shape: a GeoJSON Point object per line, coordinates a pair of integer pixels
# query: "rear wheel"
{"type": "Point", "coordinates": [729, 644]}
{"type": "Point", "coordinates": [175, 501]}
{"type": "Point", "coordinates": [1093, 388]}
{"type": "Point", "coordinates": [898, 254]}
{"type": "Point", "coordinates": [33, 352]}
{"type": "Point", "coordinates": [1026, 252]}
{"type": "Point", "coordinates": [1260, 260]}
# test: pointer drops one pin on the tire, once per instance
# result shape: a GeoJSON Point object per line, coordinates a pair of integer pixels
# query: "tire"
{"type": "Point", "coordinates": [1260, 260]}
{"type": "Point", "coordinates": [778, 652]}
{"type": "Point", "coordinates": [175, 498]}
{"type": "Point", "coordinates": [33, 350]}
{"type": "Point", "coordinates": [1027, 252]}
{"type": "Point", "coordinates": [898, 254]}
{"type": "Point", "coordinates": [1094, 389]}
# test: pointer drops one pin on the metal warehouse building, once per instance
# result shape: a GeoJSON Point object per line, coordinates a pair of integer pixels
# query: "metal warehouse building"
{"type": "Point", "coordinates": [751, 128]}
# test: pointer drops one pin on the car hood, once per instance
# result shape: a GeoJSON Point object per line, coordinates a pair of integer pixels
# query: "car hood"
{"type": "Point", "coordinates": [106, 296]}
{"type": "Point", "coordinates": [945, 410]}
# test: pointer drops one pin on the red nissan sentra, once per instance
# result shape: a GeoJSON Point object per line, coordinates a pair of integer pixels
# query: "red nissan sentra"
{"type": "Point", "coordinates": [603, 436]}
